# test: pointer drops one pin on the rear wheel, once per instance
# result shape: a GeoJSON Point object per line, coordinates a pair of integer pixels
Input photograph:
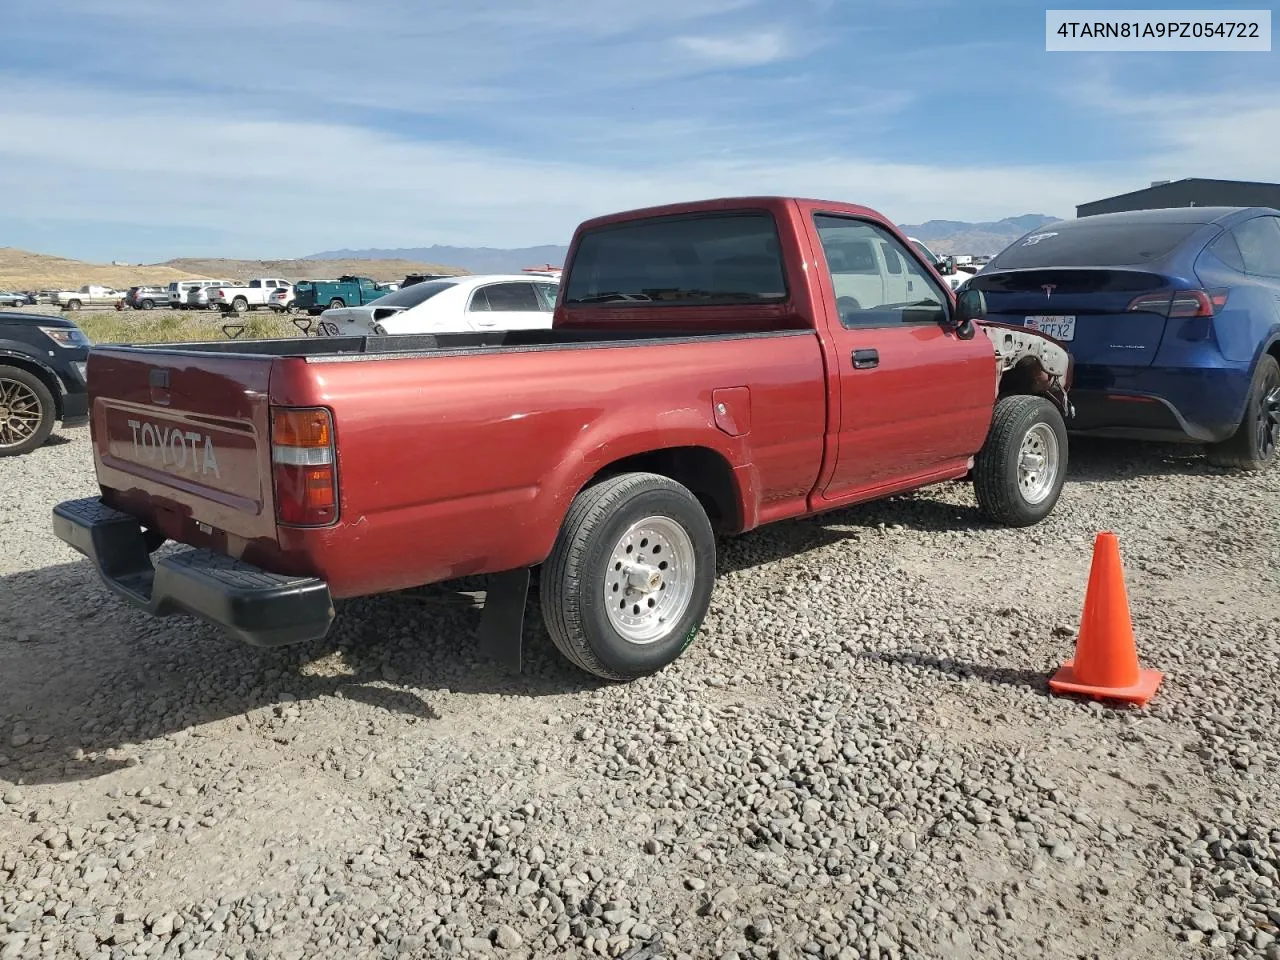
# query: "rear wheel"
{"type": "Point", "coordinates": [239, 304]}
{"type": "Point", "coordinates": [1019, 472]}
{"type": "Point", "coordinates": [1255, 440]}
{"type": "Point", "coordinates": [73, 304]}
{"type": "Point", "coordinates": [336, 304]}
{"type": "Point", "coordinates": [629, 579]}
{"type": "Point", "coordinates": [147, 304]}
{"type": "Point", "coordinates": [27, 411]}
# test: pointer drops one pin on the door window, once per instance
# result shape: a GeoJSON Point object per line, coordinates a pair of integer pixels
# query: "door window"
{"type": "Point", "coordinates": [547, 294]}
{"type": "Point", "coordinates": [1259, 242]}
{"type": "Point", "coordinates": [877, 282]}
{"type": "Point", "coordinates": [512, 297]}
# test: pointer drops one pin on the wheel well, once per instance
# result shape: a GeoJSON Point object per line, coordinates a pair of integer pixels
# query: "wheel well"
{"type": "Point", "coordinates": [1029, 377]}
{"type": "Point", "coordinates": [36, 370]}
{"type": "Point", "coordinates": [706, 473]}
{"type": "Point", "coordinates": [1274, 350]}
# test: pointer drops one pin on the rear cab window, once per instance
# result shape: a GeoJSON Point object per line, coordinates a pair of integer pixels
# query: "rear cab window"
{"type": "Point", "coordinates": [703, 259]}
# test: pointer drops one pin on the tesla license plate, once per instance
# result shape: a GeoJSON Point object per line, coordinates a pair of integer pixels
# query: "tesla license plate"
{"type": "Point", "coordinates": [1060, 328]}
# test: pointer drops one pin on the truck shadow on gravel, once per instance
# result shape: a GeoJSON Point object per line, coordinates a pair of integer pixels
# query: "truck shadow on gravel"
{"type": "Point", "coordinates": [85, 682]}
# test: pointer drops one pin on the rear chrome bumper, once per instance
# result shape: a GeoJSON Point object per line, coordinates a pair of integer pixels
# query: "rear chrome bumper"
{"type": "Point", "coordinates": [263, 609]}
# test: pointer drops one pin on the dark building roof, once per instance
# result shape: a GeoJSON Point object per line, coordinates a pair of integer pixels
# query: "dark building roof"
{"type": "Point", "coordinates": [1192, 192]}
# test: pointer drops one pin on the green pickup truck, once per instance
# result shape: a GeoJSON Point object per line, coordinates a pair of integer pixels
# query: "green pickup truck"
{"type": "Point", "coordinates": [316, 296]}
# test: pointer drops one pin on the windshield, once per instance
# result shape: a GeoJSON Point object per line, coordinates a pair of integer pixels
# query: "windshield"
{"type": "Point", "coordinates": [690, 260]}
{"type": "Point", "coordinates": [418, 293]}
{"type": "Point", "coordinates": [924, 251]}
{"type": "Point", "coordinates": [1093, 243]}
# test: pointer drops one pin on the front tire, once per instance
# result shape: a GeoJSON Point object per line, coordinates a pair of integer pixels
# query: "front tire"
{"type": "Point", "coordinates": [27, 412]}
{"type": "Point", "coordinates": [1254, 443]}
{"type": "Point", "coordinates": [630, 577]}
{"type": "Point", "coordinates": [1019, 472]}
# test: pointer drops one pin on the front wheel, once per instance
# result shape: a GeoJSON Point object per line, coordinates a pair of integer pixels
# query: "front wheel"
{"type": "Point", "coordinates": [629, 579]}
{"type": "Point", "coordinates": [1254, 442]}
{"type": "Point", "coordinates": [1019, 472]}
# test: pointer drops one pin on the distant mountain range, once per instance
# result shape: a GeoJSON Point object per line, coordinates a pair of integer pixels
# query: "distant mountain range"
{"type": "Point", "coordinates": [944, 236]}
{"type": "Point", "coordinates": [959, 236]}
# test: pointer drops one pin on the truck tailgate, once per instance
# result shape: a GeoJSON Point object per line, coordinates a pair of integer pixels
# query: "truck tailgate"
{"type": "Point", "coordinates": [182, 441]}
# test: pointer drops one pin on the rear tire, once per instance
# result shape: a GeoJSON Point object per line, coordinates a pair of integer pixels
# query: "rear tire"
{"type": "Point", "coordinates": [27, 411]}
{"type": "Point", "coordinates": [73, 304]}
{"type": "Point", "coordinates": [662, 595]}
{"type": "Point", "coordinates": [147, 304]}
{"type": "Point", "coordinates": [336, 304]}
{"type": "Point", "coordinates": [1253, 445]}
{"type": "Point", "coordinates": [239, 305]}
{"type": "Point", "coordinates": [1019, 472]}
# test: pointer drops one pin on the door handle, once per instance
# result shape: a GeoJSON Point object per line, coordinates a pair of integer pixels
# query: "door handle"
{"type": "Point", "coordinates": [865, 358]}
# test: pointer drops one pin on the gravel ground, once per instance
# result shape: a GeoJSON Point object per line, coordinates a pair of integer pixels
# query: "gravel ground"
{"type": "Point", "coordinates": [857, 758]}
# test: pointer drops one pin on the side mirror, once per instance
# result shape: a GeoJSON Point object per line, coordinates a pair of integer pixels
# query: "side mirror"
{"type": "Point", "coordinates": [971, 305]}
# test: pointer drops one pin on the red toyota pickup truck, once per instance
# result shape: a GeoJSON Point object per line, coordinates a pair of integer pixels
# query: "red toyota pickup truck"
{"type": "Point", "coordinates": [712, 367]}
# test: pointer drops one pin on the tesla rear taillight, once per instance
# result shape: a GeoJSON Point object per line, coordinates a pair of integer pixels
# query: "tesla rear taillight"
{"type": "Point", "coordinates": [304, 466]}
{"type": "Point", "coordinates": [1180, 303]}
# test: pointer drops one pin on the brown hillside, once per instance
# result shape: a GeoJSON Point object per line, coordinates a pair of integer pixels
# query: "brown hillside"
{"type": "Point", "coordinates": [380, 270]}
{"type": "Point", "coordinates": [23, 270]}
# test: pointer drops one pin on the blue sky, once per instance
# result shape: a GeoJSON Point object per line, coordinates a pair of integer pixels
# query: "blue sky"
{"type": "Point", "coordinates": [147, 129]}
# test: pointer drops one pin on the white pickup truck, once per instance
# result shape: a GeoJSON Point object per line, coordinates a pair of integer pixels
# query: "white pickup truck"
{"type": "Point", "coordinates": [88, 296]}
{"type": "Point", "coordinates": [256, 293]}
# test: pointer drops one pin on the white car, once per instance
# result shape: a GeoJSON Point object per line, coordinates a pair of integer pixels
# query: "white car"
{"type": "Point", "coordinates": [450, 305]}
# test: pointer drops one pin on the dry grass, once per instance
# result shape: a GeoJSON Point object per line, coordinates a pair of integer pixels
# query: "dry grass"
{"type": "Point", "coordinates": [23, 270]}
{"type": "Point", "coordinates": [176, 326]}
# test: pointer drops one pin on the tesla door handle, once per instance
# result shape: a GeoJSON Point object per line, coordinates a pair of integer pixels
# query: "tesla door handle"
{"type": "Point", "coordinates": [866, 358]}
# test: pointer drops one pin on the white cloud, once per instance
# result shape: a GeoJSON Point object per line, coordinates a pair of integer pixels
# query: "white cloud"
{"type": "Point", "coordinates": [743, 50]}
{"type": "Point", "coordinates": [293, 187]}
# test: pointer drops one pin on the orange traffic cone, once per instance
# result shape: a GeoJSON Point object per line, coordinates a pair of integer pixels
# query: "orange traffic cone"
{"type": "Point", "coordinates": [1106, 661]}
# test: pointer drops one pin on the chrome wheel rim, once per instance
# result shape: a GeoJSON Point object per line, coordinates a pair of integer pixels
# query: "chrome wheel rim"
{"type": "Point", "coordinates": [1269, 423]}
{"type": "Point", "coordinates": [20, 413]}
{"type": "Point", "coordinates": [649, 582]}
{"type": "Point", "coordinates": [1038, 460]}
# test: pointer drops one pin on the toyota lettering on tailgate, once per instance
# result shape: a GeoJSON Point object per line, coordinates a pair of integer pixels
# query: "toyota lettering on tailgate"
{"type": "Point", "coordinates": [174, 447]}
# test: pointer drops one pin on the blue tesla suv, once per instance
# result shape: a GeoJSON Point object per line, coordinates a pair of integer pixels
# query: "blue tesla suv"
{"type": "Point", "coordinates": [1172, 319]}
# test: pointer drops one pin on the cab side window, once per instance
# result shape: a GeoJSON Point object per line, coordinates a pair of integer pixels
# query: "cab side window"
{"type": "Point", "coordinates": [876, 281]}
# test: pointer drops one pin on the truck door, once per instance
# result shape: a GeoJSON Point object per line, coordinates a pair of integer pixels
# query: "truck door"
{"type": "Point", "coordinates": [915, 399]}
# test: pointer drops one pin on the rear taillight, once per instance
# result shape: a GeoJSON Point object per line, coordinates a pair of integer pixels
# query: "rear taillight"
{"type": "Point", "coordinates": [1180, 303]}
{"type": "Point", "coordinates": [304, 466]}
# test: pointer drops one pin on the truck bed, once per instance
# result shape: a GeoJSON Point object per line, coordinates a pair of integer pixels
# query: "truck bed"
{"type": "Point", "coordinates": [445, 469]}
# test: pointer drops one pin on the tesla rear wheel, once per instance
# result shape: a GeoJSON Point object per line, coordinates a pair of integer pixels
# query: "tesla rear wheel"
{"type": "Point", "coordinates": [1254, 443]}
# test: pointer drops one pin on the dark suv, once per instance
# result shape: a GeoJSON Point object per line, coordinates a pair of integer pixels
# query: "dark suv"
{"type": "Point", "coordinates": [42, 365]}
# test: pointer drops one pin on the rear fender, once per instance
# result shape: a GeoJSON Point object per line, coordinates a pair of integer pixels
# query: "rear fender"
{"type": "Point", "coordinates": [1030, 362]}
{"type": "Point", "coordinates": [600, 448]}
